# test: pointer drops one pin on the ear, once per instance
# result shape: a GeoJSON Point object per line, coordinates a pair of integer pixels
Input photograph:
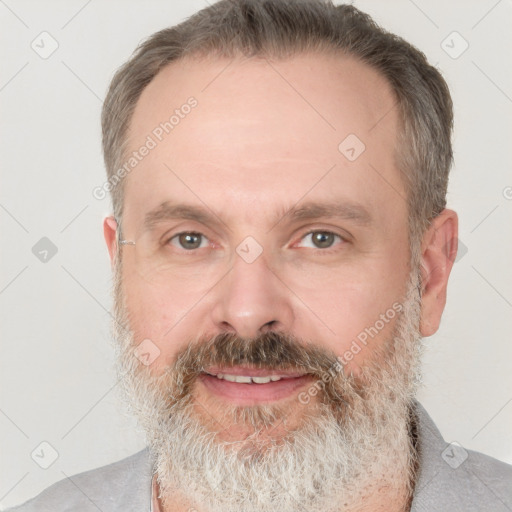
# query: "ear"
{"type": "Point", "coordinates": [438, 252]}
{"type": "Point", "coordinates": [110, 234]}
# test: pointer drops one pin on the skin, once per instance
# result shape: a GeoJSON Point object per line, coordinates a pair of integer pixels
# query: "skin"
{"type": "Point", "coordinates": [264, 138]}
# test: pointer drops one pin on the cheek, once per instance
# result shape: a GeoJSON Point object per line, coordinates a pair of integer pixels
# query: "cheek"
{"type": "Point", "coordinates": [352, 313]}
{"type": "Point", "coordinates": [160, 312]}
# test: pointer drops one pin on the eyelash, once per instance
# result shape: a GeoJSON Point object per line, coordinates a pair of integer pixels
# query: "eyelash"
{"type": "Point", "coordinates": [342, 240]}
{"type": "Point", "coordinates": [195, 233]}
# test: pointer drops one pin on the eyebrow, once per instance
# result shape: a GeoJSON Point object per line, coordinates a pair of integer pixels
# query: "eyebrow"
{"type": "Point", "coordinates": [167, 211]}
{"type": "Point", "coordinates": [346, 211]}
{"type": "Point", "coordinates": [353, 212]}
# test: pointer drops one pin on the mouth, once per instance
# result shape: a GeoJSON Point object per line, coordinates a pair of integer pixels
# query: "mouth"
{"type": "Point", "coordinates": [252, 386]}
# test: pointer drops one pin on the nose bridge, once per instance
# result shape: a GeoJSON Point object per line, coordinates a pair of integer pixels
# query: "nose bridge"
{"type": "Point", "coordinates": [251, 299]}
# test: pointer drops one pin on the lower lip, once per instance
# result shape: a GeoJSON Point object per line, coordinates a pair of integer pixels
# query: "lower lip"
{"type": "Point", "coordinates": [251, 394]}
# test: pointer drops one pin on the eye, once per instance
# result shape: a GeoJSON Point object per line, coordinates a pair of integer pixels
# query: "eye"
{"type": "Point", "coordinates": [189, 241]}
{"type": "Point", "coordinates": [320, 240]}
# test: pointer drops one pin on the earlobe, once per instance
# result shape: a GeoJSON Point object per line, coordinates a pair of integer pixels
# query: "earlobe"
{"type": "Point", "coordinates": [439, 250]}
{"type": "Point", "coordinates": [110, 235]}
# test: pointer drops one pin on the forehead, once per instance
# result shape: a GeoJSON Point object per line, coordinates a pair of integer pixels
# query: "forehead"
{"type": "Point", "coordinates": [265, 132]}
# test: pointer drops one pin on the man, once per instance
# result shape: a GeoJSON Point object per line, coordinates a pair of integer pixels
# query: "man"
{"type": "Point", "coordinates": [280, 244]}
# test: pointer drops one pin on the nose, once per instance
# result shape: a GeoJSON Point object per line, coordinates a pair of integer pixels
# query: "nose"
{"type": "Point", "coordinates": [252, 300]}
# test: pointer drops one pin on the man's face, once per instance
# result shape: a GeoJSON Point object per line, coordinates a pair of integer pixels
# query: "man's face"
{"type": "Point", "coordinates": [270, 251]}
{"type": "Point", "coordinates": [291, 235]}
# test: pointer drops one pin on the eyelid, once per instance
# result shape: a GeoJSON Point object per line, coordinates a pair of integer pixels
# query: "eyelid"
{"type": "Point", "coordinates": [197, 233]}
{"type": "Point", "coordinates": [341, 233]}
{"type": "Point", "coordinates": [187, 227]}
{"type": "Point", "coordinates": [176, 231]}
{"type": "Point", "coordinates": [340, 241]}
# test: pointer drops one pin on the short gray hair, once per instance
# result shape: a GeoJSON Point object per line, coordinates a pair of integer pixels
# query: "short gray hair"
{"type": "Point", "coordinates": [281, 29]}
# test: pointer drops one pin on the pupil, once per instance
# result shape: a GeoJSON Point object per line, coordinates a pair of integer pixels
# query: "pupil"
{"type": "Point", "coordinates": [322, 239]}
{"type": "Point", "coordinates": [190, 240]}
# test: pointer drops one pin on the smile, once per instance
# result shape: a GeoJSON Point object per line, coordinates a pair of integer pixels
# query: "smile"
{"type": "Point", "coordinates": [246, 379]}
{"type": "Point", "coordinates": [249, 386]}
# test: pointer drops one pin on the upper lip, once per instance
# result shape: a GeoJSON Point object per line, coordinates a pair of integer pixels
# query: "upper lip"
{"type": "Point", "coordinates": [253, 372]}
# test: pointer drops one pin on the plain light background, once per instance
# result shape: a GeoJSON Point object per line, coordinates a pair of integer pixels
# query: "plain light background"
{"type": "Point", "coordinates": [57, 383]}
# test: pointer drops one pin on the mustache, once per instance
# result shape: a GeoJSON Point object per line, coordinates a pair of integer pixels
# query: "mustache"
{"type": "Point", "coordinates": [271, 351]}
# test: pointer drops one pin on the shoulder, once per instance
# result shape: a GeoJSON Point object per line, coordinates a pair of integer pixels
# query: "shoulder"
{"type": "Point", "coordinates": [453, 478]}
{"type": "Point", "coordinates": [492, 475]}
{"type": "Point", "coordinates": [123, 485]}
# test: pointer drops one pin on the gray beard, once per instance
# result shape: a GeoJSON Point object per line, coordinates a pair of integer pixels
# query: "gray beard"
{"type": "Point", "coordinates": [352, 445]}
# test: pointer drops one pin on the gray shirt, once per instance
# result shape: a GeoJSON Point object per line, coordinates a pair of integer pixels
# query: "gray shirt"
{"type": "Point", "coordinates": [449, 479]}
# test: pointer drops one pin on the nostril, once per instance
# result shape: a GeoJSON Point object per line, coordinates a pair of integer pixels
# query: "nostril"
{"type": "Point", "coordinates": [269, 326]}
{"type": "Point", "coordinates": [227, 327]}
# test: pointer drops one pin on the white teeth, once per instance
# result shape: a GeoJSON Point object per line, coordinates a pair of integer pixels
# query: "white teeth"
{"type": "Point", "coordinates": [261, 380]}
{"type": "Point", "coordinates": [244, 379]}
